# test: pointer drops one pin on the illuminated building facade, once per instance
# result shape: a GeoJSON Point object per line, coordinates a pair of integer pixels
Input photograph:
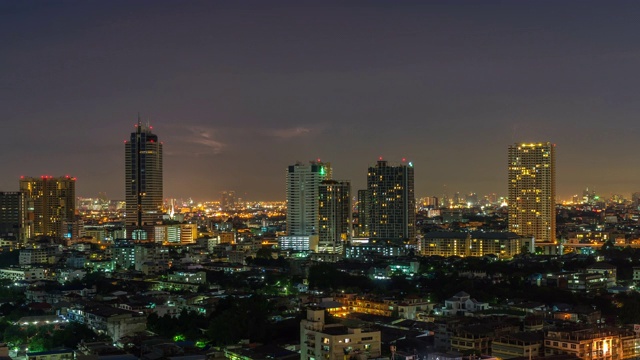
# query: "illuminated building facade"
{"type": "Point", "coordinates": [303, 186]}
{"type": "Point", "coordinates": [14, 222]}
{"type": "Point", "coordinates": [532, 191]}
{"type": "Point", "coordinates": [319, 340]}
{"type": "Point", "coordinates": [504, 245]}
{"type": "Point", "coordinates": [364, 213]}
{"type": "Point", "coordinates": [334, 227]}
{"type": "Point", "coordinates": [143, 183]}
{"type": "Point", "coordinates": [228, 200]}
{"type": "Point", "coordinates": [53, 201]}
{"type": "Point", "coordinates": [588, 343]}
{"type": "Point", "coordinates": [393, 203]}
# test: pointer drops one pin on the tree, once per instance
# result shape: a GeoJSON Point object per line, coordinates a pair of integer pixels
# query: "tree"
{"type": "Point", "coordinates": [14, 336]}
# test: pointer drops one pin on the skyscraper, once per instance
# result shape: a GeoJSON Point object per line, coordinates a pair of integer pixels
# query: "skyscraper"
{"type": "Point", "coordinates": [393, 203]}
{"type": "Point", "coordinates": [53, 201]}
{"type": "Point", "coordinates": [14, 221]}
{"type": "Point", "coordinates": [364, 213]}
{"type": "Point", "coordinates": [228, 200]}
{"type": "Point", "coordinates": [143, 183]}
{"type": "Point", "coordinates": [532, 191]}
{"type": "Point", "coordinates": [303, 182]}
{"type": "Point", "coordinates": [334, 227]}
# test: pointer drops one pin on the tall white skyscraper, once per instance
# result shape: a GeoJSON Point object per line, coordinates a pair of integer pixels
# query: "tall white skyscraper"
{"type": "Point", "coordinates": [303, 183]}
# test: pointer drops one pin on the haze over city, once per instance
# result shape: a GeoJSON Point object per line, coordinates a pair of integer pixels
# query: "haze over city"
{"type": "Point", "coordinates": [239, 90]}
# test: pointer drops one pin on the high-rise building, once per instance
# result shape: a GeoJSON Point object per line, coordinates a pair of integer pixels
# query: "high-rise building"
{"type": "Point", "coordinates": [393, 203]}
{"type": "Point", "coordinates": [53, 201]}
{"type": "Point", "coordinates": [303, 183]}
{"type": "Point", "coordinates": [364, 213]}
{"type": "Point", "coordinates": [532, 191]}
{"type": "Point", "coordinates": [228, 200]}
{"type": "Point", "coordinates": [14, 221]}
{"type": "Point", "coordinates": [143, 183]}
{"type": "Point", "coordinates": [334, 224]}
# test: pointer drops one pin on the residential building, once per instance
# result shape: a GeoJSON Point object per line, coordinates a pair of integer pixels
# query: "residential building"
{"type": "Point", "coordinates": [19, 274]}
{"type": "Point", "coordinates": [53, 202]}
{"type": "Point", "coordinates": [606, 270]}
{"type": "Point", "coordinates": [367, 252]}
{"type": "Point", "coordinates": [461, 304]}
{"type": "Point", "coordinates": [199, 277]}
{"type": "Point", "coordinates": [585, 282]}
{"type": "Point", "coordinates": [504, 245]}
{"type": "Point", "coordinates": [228, 200]}
{"type": "Point", "coordinates": [14, 220]}
{"type": "Point", "coordinates": [319, 340]}
{"type": "Point", "coordinates": [532, 191]}
{"type": "Point", "coordinates": [393, 203]}
{"type": "Point", "coordinates": [59, 354]}
{"type": "Point", "coordinates": [519, 345]}
{"type": "Point", "coordinates": [175, 234]}
{"type": "Point", "coordinates": [585, 343]}
{"type": "Point", "coordinates": [298, 242]}
{"type": "Point", "coordinates": [108, 320]}
{"type": "Point", "coordinates": [130, 255]}
{"type": "Point", "coordinates": [479, 337]}
{"type": "Point", "coordinates": [334, 210]}
{"type": "Point", "coordinates": [303, 183]}
{"type": "Point", "coordinates": [364, 213]}
{"type": "Point", "coordinates": [39, 255]}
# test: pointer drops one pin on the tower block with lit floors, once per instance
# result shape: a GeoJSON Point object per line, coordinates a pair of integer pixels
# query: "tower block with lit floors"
{"type": "Point", "coordinates": [143, 183]}
{"type": "Point", "coordinates": [334, 224]}
{"type": "Point", "coordinates": [53, 203]}
{"type": "Point", "coordinates": [392, 208]}
{"type": "Point", "coordinates": [303, 184]}
{"type": "Point", "coordinates": [532, 191]}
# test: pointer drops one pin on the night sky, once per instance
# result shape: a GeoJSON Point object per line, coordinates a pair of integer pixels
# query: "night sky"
{"type": "Point", "coordinates": [238, 90]}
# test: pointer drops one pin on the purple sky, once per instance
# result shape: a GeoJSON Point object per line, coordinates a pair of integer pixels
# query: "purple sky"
{"type": "Point", "coordinates": [238, 90]}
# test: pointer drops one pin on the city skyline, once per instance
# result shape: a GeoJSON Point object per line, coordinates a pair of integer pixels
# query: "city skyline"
{"type": "Point", "coordinates": [240, 91]}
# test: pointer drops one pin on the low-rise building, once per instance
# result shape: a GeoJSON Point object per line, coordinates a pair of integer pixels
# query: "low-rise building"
{"type": "Point", "coordinates": [319, 340]}
{"type": "Point", "coordinates": [525, 345]}
{"type": "Point", "coordinates": [586, 282]}
{"type": "Point", "coordinates": [605, 270]}
{"type": "Point", "coordinates": [38, 255]}
{"type": "Point", "coordinates": [586, 343]}
{"type": "Point", "coordinates": [63, 354]}
{"type": "Point", "coordinates": [108, 320]}
{"type": "Point", "coordinates": [504, 245]}
{"type": "Point", "coordinates": [462, 304]}
{"type": "Point", "coordinates": [22, 274]}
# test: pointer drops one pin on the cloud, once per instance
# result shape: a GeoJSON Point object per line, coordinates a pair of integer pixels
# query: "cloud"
{"type": "Point", "coordinates": [195, 140]}
{"type": "Point", "coordinates": [204, 136]}
{"type": "Point", "coordinates": [289, 133]}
